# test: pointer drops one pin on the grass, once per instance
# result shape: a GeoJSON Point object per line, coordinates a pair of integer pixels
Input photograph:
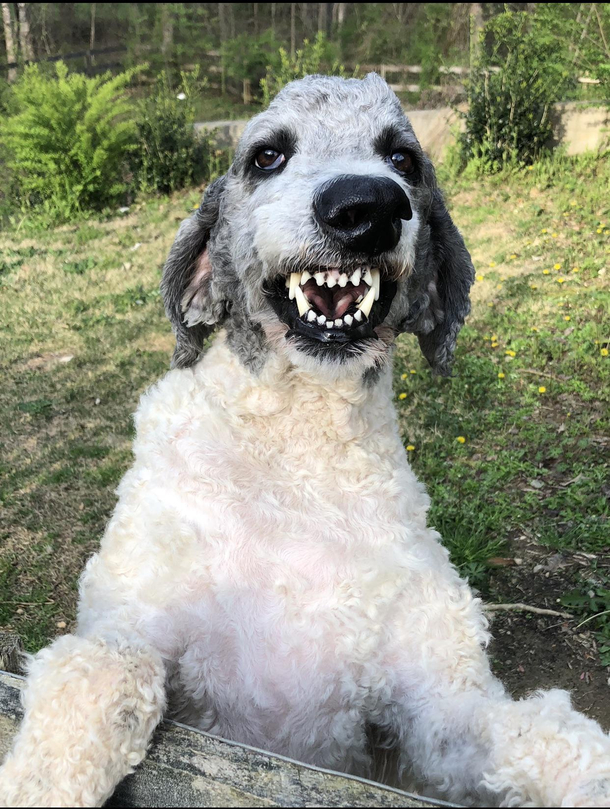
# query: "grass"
{"type": "Point", "coordinates": [83, 334]}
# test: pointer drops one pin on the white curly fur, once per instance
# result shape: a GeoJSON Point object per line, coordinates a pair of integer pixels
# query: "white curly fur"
{"type": "Point", "coordinates": [269, 573]}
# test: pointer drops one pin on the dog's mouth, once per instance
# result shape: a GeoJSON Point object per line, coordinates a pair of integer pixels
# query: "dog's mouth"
{"type": "Point", "coordinates": [332, 305]}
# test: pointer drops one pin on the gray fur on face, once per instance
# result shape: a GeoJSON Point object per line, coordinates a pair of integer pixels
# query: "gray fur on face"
{"type": "Point", "coordinates": [251, 228]}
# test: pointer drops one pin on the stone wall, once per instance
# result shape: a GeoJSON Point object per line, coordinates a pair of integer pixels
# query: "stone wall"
{"type": "Point", "coordinates": [579, 127]}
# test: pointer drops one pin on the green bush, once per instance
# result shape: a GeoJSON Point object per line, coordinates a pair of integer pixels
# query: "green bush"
{"type": "Point", "coordinates": [170, 155]}
{"type": "Point", "coordinates": [521, 73]}
{"type": "Point", "coordinates": [313, 57]}
{"type": "Point", "coordinates": [65, 139]}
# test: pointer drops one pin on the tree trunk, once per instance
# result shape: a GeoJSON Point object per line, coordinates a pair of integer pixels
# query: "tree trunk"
{"type": "Point", "coordinates": [223, 38]}
{"type": "Point", "coordinates": [9, 39]}
{"type": "Point", "coordinates": [25, 36]}
{"type": "Point", "coordinates": [476, 26]}
{"type": "Point", "coordinates": [92, 34]}
{"type": "Point", "coordinates": [293, 14]}
{"type": "Point", "coordinates": [322, 15]}
{"type": "Point", "coordinates": [273, 5]}
{"type": "Point", "coordinates": [167, 32]}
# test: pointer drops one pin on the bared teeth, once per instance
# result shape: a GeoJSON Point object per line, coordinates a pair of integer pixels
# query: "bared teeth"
{"type": "Point", "coordinates": [343, 280]}
{"type": "Point", "coordinates": [295, 278]}
{"type": "Point", "coordinates": [367, 304]}
{"type": "Point", "coordinates": [311, 315]}
{"type": "Point", "coordinates": [338, 323]}
{"type": "Point", "coordinates": [376, 283]}
{"type": "Point", "coordinates": [302, 302]}
{"type": "Point", "coordinates": [321, 320]}
{"type": "Point", "coordinates": [331, 281]}
{"type": "Point", "coordinates": [358, 315]}
{"type": "Point", "coordinates": [355, 278]}
{"type": "Point", "coordinates": [319, 276]}
{"type": "Point", "coordinates": [348, 320]}
{"type": "Point", "coordinates": [305, 276]}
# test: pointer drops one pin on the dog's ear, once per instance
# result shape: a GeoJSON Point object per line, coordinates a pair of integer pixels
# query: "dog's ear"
{"type": "Point", "coordinates": [193, 301]}
{"type": "Point", "coordinates": [439, 287]}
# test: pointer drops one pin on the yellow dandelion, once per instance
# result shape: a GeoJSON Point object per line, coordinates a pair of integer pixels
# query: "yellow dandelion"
{"type": "Point", "coordinates": [574, 269]}
{"type": "Point", "coordinates": [541, 389]}
{"type": "Point", "coordinates": [544, 230]}
{"type": "Point", "coordinates": [567, 317]}
{"type": "Point", "coordinates": [534, 328]}
{"type": "Point", "coordinates": [560, 280]}
{"type": "Point", "coordinates": [546, 272]}
{"type": "Point", "coordinates": [460, 439]}
{"type": "Point", "coordinates": [412, 371]}
{"type": "Point", "coordinates": [402, 395]}
{"type": "Point", "coordinates": [554, 235]}
{"type": "Point", "coordinates": [514, 255]}
{"type": "Point", "coordinates": [492, 263]}
{"type": "Point", "coordinates": [403, 376]}
{"type": "Point", "coordinates": [410, 447]}
{"type": "Point", "coordinates": [599, 230]}
{"type": "Point", "coordinates": [501, 375]}
{"type": "Point", "coordinates": [499, 286]}
{"type": "Point", "coordinates": [530, 168]}
{"type": "Point", "coordinates": [533, 286]}
{"type": "Point", "coordinates": [573, 203]}
{"type": "Point", "coordinates": [494, 345]}
{"type": "Point", "coordinates": [480, 277]}
{"type": "Point", "coordinates": [494, 336]}
{"type": "Point", "coordinates": [490, 304]}
{"type": "Point", "coordinates": [556, 266]}
{"type": "Point", "coordinates": [603, 352]}
{"type": "Point", "coordinates": [510, 353]}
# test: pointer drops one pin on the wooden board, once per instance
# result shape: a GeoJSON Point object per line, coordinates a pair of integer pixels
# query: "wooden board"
{"type": "Point", "coordinates": [186, 767]}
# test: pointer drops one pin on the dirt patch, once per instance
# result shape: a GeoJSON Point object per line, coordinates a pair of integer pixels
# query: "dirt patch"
{"type": "Point", "coordinates": [531, 651]}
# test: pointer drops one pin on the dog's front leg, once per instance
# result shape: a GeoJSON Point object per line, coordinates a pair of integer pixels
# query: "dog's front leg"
{"type": "Point", "coordinates": [90, 709]}
{"type": "Point", "coordinates": [463, 736]}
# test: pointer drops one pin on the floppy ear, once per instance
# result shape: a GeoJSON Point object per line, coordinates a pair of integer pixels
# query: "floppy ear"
{"type": "Point", "coordinates": [193, 301]}
{"type": "Point", "coordinates": [439, 287]}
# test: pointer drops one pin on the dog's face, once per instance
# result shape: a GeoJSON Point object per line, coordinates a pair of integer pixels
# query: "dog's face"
{"type": "Point", "coordinates": [326, 238]}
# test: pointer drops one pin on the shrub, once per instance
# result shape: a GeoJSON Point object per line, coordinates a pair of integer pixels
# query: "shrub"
{"type": "Point", "coordinates": [65, 139]}
{"type": "Point", "coordinates": [508, 116]}
{"type": "Point", "coordinates": [313, 57]}
{"type": "Point", "coordinates": [170, 155]}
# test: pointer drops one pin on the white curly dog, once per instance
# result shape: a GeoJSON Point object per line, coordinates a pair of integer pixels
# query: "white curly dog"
{"type": "Point", "coordinates": [268, 574]}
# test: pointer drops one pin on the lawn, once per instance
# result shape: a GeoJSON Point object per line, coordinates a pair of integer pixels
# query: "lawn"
{"type": "Point", "coordinates": [514, 448]}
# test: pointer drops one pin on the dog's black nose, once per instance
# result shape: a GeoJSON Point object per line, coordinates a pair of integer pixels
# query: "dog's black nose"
{"type": "Point", "coordinates": [362, 213]}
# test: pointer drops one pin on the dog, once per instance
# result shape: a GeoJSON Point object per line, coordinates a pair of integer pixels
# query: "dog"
{"type": "Point", "coordinates": [268, 574]}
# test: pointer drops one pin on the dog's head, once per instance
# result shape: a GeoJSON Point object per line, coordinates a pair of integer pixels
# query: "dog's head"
{"type": "Point", "coordinates": [325, 239]}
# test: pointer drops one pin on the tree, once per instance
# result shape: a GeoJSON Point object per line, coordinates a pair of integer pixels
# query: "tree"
{"type": "Point", "coordinates": [25, 36]}
{"type": "Point", "coordinates": [9, 39]}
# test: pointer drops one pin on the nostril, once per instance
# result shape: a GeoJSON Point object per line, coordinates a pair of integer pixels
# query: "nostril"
{"type": "Point", "coordinates": [349, 218]}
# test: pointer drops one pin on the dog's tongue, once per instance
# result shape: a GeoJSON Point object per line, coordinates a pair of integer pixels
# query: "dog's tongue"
{"type": "Point", "coordinates": [333, 303]}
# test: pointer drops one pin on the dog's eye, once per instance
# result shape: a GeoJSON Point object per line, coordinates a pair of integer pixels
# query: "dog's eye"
{"type": "Point", "coordinates": [269, 159]}
{"type": "Point", "coordinates": [402, 162]}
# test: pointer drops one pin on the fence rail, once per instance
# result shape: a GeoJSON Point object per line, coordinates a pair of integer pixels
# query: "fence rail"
{"type": "Point", "coordinates": [214, 58]}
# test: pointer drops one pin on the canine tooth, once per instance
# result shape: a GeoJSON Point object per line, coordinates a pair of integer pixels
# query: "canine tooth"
{"type": "Point", "coordinates": [348, 320]}
{"type": "Point", "coordinates": [295, 277]}
{"type": "Point", "coordinates": [355, 279]}
{"type": "Point", "coordinates": [368, 278]}
{"type": "Point", "coordinates": [287, 282]}
{"type": "Point", "coordinates": [359, 298]}
{"type": "Point", "coordinates": [311, 315]}
{"type": "Point", "coordinates": [342, 280]}
{"type": "Point", "coordinates": [321, 320]}
{"type": "Point", "coordinates": [338, 323]}
{"type": "Point", "coordinates": [358, 315]}
{"type": "Point", "coordinates": [319, 276]}
{"type": "Point", "coordinates": [305, 276]}
{"type": "Point", "coordinates": [329, 324]}
{"type": "Point", "coordinates": [302, 303]}
{"type": "Point", "coordinates": [367, 303]}
{"type": "Point", "coordinates": [376, 283]}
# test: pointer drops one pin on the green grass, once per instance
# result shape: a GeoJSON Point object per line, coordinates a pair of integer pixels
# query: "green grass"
{"type": "Point", "coordinates": [83, 334]}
